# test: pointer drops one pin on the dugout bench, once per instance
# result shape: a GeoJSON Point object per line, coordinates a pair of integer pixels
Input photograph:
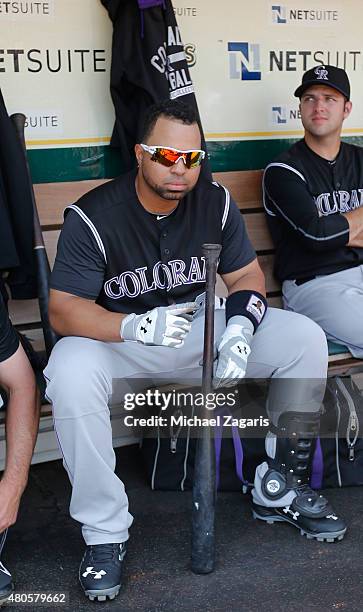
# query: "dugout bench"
{"type": "Point", "coordinates": [52, 198]}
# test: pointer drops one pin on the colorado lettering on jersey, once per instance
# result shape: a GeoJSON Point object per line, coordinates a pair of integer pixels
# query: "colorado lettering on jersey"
{"type": "Point", "coordinates": [133, 283]}
{"type": "Point", "coordinates": [338, 201]}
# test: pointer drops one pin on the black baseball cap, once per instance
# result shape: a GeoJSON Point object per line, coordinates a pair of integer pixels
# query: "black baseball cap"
{"type": "Point", "coordinates": [325, 75]}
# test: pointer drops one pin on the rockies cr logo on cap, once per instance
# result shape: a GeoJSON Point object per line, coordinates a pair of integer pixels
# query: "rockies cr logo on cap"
{"type": "Point", "coordinates": [321, 72]}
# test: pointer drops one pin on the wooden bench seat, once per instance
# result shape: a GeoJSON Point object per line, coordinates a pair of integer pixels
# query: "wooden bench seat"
{"type": "Point", "coordinates": [245, 187]}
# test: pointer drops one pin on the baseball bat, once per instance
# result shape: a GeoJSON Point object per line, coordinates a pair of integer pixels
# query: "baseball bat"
{"type": "Point", "coordinates": [204, 484]}
{"type": "Point", "coordinates": [43, 267]}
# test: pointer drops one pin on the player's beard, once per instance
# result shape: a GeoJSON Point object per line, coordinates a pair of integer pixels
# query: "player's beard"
{"type": "Point", "coordinates": [164, 192]}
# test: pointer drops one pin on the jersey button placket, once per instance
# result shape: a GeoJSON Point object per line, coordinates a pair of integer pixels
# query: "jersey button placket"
{"type": "Point", "coordinates": [336, 181]}
{"type": "Point", "coordinates": [164, 256]}
{"type": "Point", "coordinates": [164, 250]}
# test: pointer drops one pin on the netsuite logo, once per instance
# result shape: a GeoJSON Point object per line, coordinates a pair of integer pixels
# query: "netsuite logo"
{"type": "Point", "coordinates": [244, 61]}
{"type": "Point", "coordinates": [283, 114]}
{"type": "Point", "coordinates": [279, 115]}
{"type": "Point", "coordinates": [278, 13]}
{"type": "Point", "coordinates": [297, 15]}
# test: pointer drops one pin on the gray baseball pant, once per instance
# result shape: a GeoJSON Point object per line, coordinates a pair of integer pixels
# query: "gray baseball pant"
{"type": "Point", "coordinates": [335, 302]}
{"type": "Point", "coordinates": [287, 347]}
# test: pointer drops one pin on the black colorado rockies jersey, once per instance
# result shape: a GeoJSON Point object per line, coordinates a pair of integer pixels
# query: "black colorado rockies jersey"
{"type": "Point", "coordinates": [128, 260]}
{"type": "Point", "coordinates": [304, 196]}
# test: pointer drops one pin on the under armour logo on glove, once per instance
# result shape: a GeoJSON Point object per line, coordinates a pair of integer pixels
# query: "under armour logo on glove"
{"type": "Point", "coordinates": [233, 352]}
{"type": "Point", "coordinates": [163, 326]}
{"type": "Point", "coordinates": [144, 329]}
{"type": "Point", "coordinates": [243, 349]}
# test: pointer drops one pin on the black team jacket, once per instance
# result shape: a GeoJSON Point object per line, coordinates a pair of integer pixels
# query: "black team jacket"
{"type": "Point", "coordinates": [148, 65]}
{"type": "Point", "coordinates": [17, 260]}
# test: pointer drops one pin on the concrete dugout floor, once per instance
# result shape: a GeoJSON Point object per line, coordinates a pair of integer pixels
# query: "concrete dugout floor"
{"type": "Point", "coordinates": [259, 567]}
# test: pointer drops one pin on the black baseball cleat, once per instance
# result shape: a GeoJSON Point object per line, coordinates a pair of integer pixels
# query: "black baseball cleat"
{"type": "Point", "coordinates": [288, 472]}
{"type": "Point", "coordinates": [101, 569]}
{"type": "Point", "coordinates": [309, 512]}
{"type": "Point", "coordinates": [6, 584]}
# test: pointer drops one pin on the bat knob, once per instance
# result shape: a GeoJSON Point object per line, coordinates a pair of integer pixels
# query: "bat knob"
{"type": "Point", "coordinates": [211, 251]}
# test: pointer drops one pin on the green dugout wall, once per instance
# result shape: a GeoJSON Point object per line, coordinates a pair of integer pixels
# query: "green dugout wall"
{"type": "Point", "coordinates": [71, 164]}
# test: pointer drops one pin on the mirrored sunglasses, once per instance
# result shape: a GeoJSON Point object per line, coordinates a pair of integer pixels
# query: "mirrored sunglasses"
{"type": "Point", "coordinates": [168, 156]}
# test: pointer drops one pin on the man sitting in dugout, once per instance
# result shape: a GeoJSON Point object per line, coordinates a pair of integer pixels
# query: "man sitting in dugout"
{"type": "Point", "coordinates": [313, 196]}
{"type": "Point", "coordinates": [125, 294]}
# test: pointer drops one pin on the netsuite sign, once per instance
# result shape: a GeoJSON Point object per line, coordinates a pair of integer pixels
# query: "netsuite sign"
{"type": "Point", "coordinates": [246, 60]}
{"type": "Point", "coordinates": [297, 60]}
{"type": "Point", "coordinates": [21, 9]}
{"type": "Point", "coordinates": [52, 60]}
{"type": "Point", "coordinates": [303, 15]}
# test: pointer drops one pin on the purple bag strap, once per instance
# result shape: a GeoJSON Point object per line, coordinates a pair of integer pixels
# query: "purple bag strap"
{"type": "Point", "coordinates": [238, 452]}
{"type": "Point", "coordinates": [317, 470]}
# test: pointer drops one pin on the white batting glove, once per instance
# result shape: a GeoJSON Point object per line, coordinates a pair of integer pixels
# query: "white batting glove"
{"type": "Point", "coordinates": [233, 352]}
{"type": "Point", "coordinates": [162, 326]}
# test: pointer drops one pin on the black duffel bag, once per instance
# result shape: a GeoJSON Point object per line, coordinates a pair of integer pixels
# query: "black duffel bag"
{"type": "Point", "coordinates": [338, 459]}
{"type": "Point", "coordinates": [169, 451]}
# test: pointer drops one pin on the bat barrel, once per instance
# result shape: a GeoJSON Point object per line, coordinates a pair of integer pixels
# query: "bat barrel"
{"type": "Point", "coordinates": [211, 253]}
{"type": "Point", "coordinates": [204, 491]}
